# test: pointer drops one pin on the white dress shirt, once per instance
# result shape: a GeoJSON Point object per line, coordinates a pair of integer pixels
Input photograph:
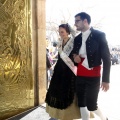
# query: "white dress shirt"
{"type": "Point", "coordinates": [82, 51]}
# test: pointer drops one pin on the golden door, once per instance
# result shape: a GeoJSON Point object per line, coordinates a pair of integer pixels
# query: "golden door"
{"type": "Point", "coordinates": [16, 82]}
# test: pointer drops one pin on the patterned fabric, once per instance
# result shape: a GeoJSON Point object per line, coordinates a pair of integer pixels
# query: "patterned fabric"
{"type": "Point", "coordinates": [66, 50]}
{"type": "Point", "coordinates": [62, 87]}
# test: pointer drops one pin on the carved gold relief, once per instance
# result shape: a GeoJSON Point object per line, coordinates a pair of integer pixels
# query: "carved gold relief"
{"type": "Point", "coordinates": [16, 83]}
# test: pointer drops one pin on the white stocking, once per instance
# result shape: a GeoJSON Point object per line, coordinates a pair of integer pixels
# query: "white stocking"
{"type": "Point", "coordinates": [85, 114]}
{"type": "Point", "coordinates": [100, 114]}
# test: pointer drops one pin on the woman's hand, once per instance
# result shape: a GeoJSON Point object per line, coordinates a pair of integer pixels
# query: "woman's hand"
{"type": "Point", "coordinates": [77, 58]}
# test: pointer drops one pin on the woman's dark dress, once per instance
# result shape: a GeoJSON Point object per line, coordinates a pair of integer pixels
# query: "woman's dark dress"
{"type": "Point", "coordinates": [62, 87]}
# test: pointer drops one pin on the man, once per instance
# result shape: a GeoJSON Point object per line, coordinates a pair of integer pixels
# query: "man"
{"type": "Point", "coordinates": [90, 50]}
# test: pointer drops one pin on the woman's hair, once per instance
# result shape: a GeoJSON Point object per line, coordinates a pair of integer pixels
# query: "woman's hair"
{"type": "Point", "coordinates": [66, 27]}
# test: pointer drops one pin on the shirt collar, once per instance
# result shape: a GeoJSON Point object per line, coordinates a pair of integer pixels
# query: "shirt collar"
{"type": "Point", "coordinates": [86, 32]}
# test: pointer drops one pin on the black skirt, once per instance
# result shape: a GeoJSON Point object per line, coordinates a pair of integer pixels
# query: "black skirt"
{"type": "Point", "coordinates": [62, 87]}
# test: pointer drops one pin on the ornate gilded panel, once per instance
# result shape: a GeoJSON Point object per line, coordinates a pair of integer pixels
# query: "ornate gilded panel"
{"type": "Point", "coordinates": [16, 83]}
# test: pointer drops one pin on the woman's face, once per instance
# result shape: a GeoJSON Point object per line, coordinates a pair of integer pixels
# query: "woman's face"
{"type": "Point", "coordinates": [62, 32]}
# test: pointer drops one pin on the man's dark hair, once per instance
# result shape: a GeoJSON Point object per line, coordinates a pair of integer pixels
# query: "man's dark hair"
{"type": "Point", "coordinates": [66, 27]}
{"type": "Point", "coordinates": [83, 16]}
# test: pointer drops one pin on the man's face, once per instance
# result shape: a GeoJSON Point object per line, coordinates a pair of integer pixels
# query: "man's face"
{"type": "Point", "coordinates": [79, 23]}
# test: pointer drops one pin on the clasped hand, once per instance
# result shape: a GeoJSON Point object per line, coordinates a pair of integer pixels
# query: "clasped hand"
{"type": "Point", "coordinates": [77, 58]}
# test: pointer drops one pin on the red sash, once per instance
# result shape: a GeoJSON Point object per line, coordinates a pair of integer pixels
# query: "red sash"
{"type": "Point", "coordinates": [82, 71]}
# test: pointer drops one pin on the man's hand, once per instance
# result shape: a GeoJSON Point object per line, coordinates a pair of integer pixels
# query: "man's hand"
{"type": "Point", "coordinates": [105, 86]}
{"type": "Point", "coordinates": [77, 58]}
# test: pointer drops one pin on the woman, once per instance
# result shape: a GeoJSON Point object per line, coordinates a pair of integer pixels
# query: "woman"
{"type": "Point", "coordinates": [60, 98]}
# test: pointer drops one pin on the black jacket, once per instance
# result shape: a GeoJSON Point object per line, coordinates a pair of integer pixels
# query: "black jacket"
{"type": "Point", "coordinates": [97, 51]}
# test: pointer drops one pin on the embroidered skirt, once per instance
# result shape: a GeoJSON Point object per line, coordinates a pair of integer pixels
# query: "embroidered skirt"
{"type": "Point", "coordinates": [70, 113]}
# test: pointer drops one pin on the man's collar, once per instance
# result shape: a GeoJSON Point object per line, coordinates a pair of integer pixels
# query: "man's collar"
{"type": "Point", "coordinates": [86, 32]}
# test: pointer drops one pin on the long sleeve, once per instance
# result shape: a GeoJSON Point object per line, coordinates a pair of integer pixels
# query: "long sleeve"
{"type": "Point", "coordinates": [105, 54]}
